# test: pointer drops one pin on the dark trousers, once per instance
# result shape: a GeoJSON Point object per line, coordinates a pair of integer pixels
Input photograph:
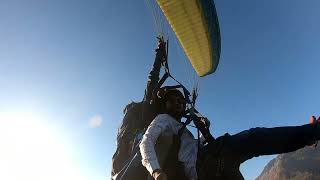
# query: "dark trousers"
{"type": "Point", "coordinates": [221, 158]}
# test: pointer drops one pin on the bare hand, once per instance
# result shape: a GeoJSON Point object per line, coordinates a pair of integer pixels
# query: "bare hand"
{"type": "Point", "coordinates": [158, 174]}
{"type": "Point", "coordinates": [313, 120]}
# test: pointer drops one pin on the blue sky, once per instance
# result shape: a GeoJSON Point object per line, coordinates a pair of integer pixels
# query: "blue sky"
{"type": "Point", "coordinates": [64, 63]}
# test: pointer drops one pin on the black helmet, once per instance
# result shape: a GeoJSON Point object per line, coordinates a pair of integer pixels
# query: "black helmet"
{"type": "Point", "coordinates": [163, 95]}
{"type": "Point", "coordinates": [165, 92]}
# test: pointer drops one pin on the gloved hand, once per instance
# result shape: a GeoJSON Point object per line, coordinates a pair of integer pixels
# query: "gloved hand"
{"type": "Point", "coordinates": [161, 44]}
{"type": "Point", "coordinates": [205, 121]}
{"type": "Point", "coordinates": [161, 49]}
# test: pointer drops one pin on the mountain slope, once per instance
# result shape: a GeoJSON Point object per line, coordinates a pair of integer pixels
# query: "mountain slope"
{"type": "Point", "coordinates": [303, 164]}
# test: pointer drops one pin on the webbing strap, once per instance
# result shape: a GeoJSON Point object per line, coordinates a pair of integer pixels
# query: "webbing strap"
{"type": "Point", "coordinates": [160, 83]}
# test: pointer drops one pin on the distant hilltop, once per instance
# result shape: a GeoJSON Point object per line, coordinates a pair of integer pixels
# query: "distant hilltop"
{"type": "Point", "coordinates": [303, 164]}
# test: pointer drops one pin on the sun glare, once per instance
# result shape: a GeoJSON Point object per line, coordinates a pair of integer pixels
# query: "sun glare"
{"type": "Point", "coordinates": [30, 149]}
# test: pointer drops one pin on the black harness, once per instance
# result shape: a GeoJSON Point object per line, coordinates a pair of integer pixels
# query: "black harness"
{"type": "Point", "coordinates": [133, 168]}
{"type": "Point", "coordinates": [191, 113]}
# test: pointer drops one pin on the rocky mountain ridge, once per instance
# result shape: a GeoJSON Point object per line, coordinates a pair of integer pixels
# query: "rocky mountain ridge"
{"type": "Point", "coordinates": [303, 164]}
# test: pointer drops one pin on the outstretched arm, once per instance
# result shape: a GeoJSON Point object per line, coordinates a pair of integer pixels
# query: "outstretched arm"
{"type": "Point", "coordinates": [267, 141]}
{"type": "Point", "coordinates": [153, 77]}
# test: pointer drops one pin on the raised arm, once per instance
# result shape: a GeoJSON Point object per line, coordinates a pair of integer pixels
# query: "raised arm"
{"type": "Point", "coordinates": [153, 77]}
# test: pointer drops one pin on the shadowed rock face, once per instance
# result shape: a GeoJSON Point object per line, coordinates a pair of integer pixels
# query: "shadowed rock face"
{"type": "Point", "coordinates": [303, 164]}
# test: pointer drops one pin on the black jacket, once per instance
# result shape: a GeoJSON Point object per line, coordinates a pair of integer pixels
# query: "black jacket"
{"type": "Point", "coordinates": [137, 115]}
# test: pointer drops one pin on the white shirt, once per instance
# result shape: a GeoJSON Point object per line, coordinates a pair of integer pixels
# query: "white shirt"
{"type": "Point", "coordinates": [165, 124]}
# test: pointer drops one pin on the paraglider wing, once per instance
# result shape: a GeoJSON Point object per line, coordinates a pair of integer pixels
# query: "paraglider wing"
{"type": "Point", "coordinates": [196, 26]}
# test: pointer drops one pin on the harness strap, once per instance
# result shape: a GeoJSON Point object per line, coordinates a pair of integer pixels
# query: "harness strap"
{"type": "Point", "coordinates": [172, 166]}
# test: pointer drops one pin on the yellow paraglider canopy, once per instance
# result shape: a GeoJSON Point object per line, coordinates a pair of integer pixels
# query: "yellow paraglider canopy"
{"type": "Point", "coordinates": [195, 24]}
